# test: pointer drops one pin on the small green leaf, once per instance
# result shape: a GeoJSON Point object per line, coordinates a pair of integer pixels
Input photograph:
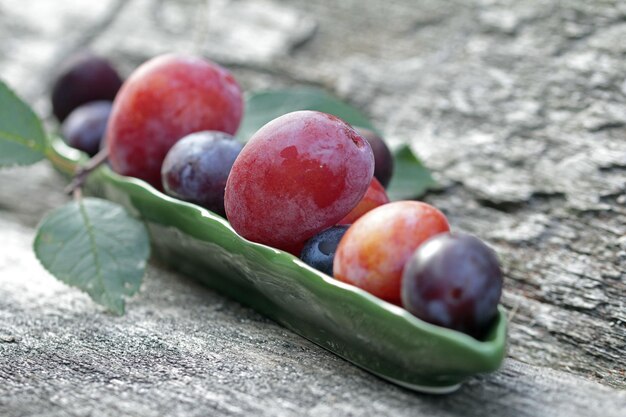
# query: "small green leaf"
{"type": "Point", "coordinates": [97, 246]}
{"type": "Point", "coordinates": [22, 139]}
{"type": "Point", "coordinates": [265, 106]}
{"type": "Point", "coordinates": [410, 178]}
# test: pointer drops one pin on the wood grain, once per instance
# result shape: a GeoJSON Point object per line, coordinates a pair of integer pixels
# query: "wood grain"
{"type": "Point", "coordinates": [519, 108]}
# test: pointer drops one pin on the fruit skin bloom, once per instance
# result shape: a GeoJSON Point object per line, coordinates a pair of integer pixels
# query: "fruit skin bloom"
{"type": "Point", "coordinates": [84, 128]}
{"type": "Point", "coordinates": [319, 251]}
{"type": "Point", "coordinates": [453, 281]}
{"type": "Point", "coordinates": [197, 167]}
{"type": "Point", "coordinates": [375, 249]}
{"type": "Point", "coordinates": [165, 99]}
{"type": "Point", "coordinates": [298, 175]}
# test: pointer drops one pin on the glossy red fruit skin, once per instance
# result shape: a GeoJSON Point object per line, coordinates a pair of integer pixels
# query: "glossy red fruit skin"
{"type": "Point", "coordinates": [375, 249]}
{"type": "Point", "coordinates": [165, 99]}
{"type": "Point", "coordinates": [298, 175]}
{"type": "Point", "coordinates": [375, 196]}
{"type": "Point", "coordinates": [453, 281]}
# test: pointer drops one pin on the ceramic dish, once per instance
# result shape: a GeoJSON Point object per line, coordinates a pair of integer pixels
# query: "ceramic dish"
{"type": "Point", "coordinates": [377, 336]}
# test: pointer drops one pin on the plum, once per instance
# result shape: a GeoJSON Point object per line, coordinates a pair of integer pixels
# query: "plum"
{"type": "Point", "coordinates": [84, 128]}
{"type": "Point", "coordinates": [165, 99]}
{"type": "Point", "coordinates": [375, 249]}
{"type": "Point", "coordinates": [84, 78]}
{"type": "Point", "coordinates": [197, 166]}
{"type": "Point", "coordinates": [298, 175]}
{"type": "Point", "coordinates": [319, 251]}
{"type": "Point", "coordinates": [374, 196]}
{"type": "Point", "coordinates": [453, 281]}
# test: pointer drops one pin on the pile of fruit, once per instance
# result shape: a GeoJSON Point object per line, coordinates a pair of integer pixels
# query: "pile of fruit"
{"type": "Point", "coordinates": [306, 183]}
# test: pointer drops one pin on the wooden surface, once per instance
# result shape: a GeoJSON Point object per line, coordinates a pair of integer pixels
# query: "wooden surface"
{"type": "Point", "coordinates": [519, 108]}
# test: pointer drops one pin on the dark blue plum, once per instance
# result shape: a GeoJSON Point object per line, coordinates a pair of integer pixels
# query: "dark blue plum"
{"type": "Point", "coordinates": [453, 281]}
{"type": "Point", "coordinates": [84, 128]}
{"type": "Point", "coordinates": [319, 251]}
{"type": "Point", "coordinates": [383, 159]}
{"type": "Point", "coordinates": [82, 79]}
{"type": "Point", "coordinates": [196, 168]}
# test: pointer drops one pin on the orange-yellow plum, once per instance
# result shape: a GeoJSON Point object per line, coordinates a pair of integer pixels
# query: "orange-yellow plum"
{"type": "Point", "coordinates": [375, 249]}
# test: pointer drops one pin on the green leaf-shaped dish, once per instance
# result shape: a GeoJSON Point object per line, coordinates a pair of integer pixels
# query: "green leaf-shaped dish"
{"type": "Point", "coordinates": [377, 336]}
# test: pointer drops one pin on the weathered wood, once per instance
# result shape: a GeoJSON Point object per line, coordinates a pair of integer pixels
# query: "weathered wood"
{"type": "Point", "coordinates": [519, 107]}
{"type": "Point", "coordinates": [184, 350]}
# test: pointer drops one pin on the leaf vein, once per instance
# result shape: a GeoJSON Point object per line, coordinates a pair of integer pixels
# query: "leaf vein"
{"type": "Point", "coordinates": [92, 243]}
{"type": "Point", "coordinates": [62, 246]}
{"type": "Point", "coordinates": [30, 144]}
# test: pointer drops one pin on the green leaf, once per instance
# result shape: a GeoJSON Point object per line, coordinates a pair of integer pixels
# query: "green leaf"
{"type": "Point", "coordinates": [22, 139]}
{"type": "Point", "coordinates": [265, 106]}
{"type": "Point", "coordinates": [97, 246]}
{"type": "Point", "coordinates": [410, 178]}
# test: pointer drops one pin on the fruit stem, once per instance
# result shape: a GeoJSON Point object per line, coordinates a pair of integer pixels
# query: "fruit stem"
{"type": "Point", "coordinates": [83, 171]}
